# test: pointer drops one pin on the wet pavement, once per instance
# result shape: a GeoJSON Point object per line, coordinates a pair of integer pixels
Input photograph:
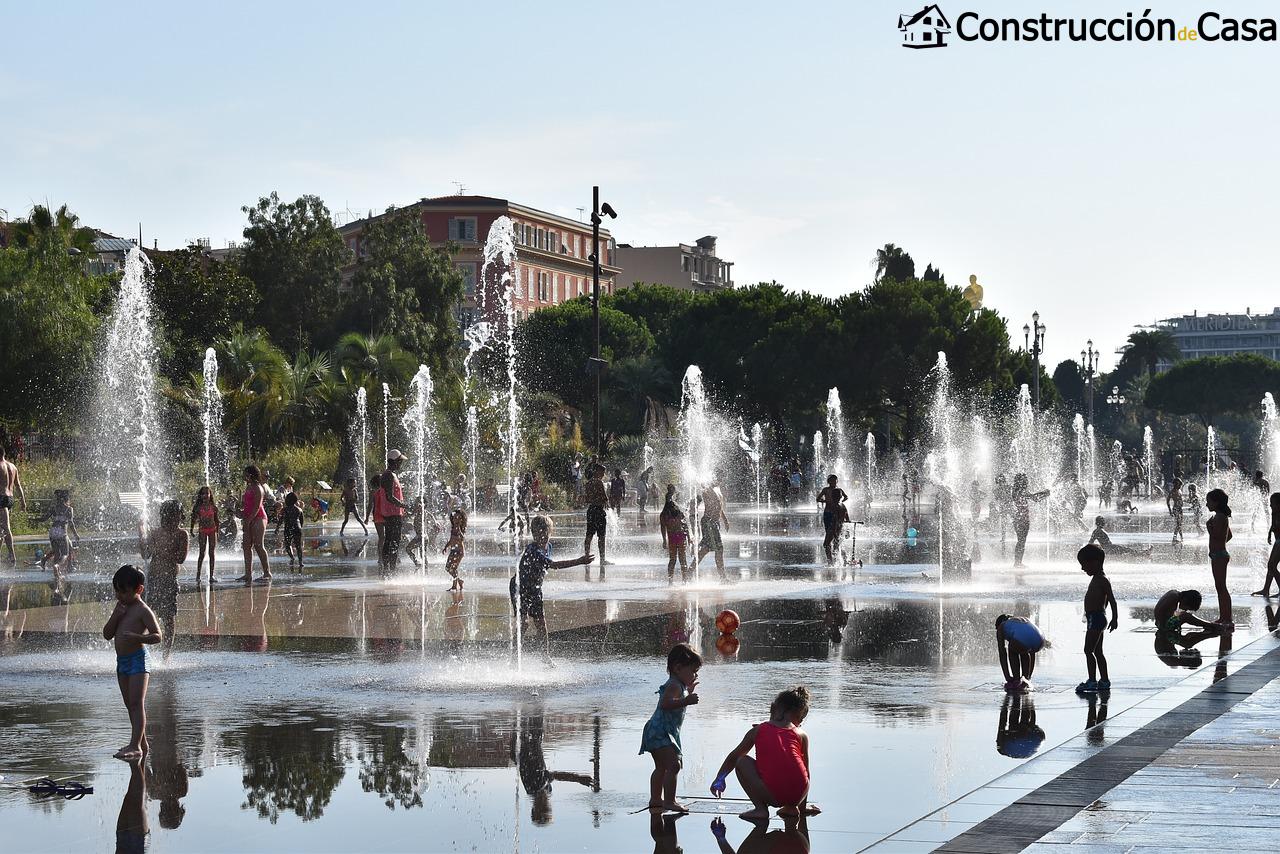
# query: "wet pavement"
{"type": "Point", "coordinates": [334, 711]}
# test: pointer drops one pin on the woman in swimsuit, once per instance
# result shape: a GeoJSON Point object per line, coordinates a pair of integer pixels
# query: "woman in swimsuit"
{"type": "Point", "coordinates": [1273, 538]}
{"type": "Point", "coordinates": [205, 512]}
{"type": "Point", "coordinates": [254, 514]}
{"type": "Point", "coordinates": [1219, 526]}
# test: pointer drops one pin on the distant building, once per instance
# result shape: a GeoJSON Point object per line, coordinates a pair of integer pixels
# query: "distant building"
{"type": "Point", "coordinates": [1225, 334]}
{"type": "Point", "coordinates": [109, 253]}
{"type": "Point", "coordinates": [692, 268]}
{"type": "Point", "coordinates": [552, 264]}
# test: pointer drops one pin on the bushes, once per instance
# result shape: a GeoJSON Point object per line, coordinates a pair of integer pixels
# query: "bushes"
{"type": "Point", "coordinates": [304, 463]}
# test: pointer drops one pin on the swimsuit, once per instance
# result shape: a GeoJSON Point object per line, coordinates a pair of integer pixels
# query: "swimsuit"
{"type": "Point", "coordinates": [1095, 621]}
{"type": "Point", "coordinates": [711, 535]}
{"type": "Point", "coordinates": [247, 506]}
{"type": "Point", "coordinates": [1219, 553]}
{"type": "Point", "coordinates": [132, 664]}
{"type": "Point", "coordinates": [780, 761]}
{"type": "Point", "coordinates": [596, 520]}
{"type": "Point", "coordinates": [663, 727]}
{"type": "Point", "coordinates": [533, 569]}
{"type": "Point", "coordinates": [205, 513]}
{"type": "Point", "coordinates": [6, 502]}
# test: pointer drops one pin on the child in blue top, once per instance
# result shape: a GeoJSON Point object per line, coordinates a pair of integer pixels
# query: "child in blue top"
{"type": "Point", "coordinates": [661, 736]}
{"type": "Point", "coordinates": [1017, 641]}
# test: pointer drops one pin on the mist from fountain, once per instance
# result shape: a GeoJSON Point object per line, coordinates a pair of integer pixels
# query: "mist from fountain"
{"type": "Point", "coordinates": [131, 448]}
{"type": "Point", "coordinates": [819, 456]}
{"type": "Point", "coordinates": [869, 447]}
{"type": "Point", "coordinates": [418, 422]}
{"type": "Point", "coordinates": [1149, 458]}
{"type": "Point", "coordinates": [1211, 458]}
{"type": "Point", "coordinates": [362, 445]}
{"type": "Point", "coordinates": [837, 444]}
{"type": "Point", "coordinates": [1269, 437]}
{"type": "Point", "coordinates": [386, 420]}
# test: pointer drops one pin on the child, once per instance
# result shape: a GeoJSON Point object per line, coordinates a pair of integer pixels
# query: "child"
{"type": "Point", "coordinates": [534, 563]}
{"type": "Point", "coordinates": [351, 506]}
{"type": "Point", "coordinates": [617, 491]}
{"type": "Point", "coordinates": [1096, 599]}
{"type": "Point", "coordinates": [596, 498]}
{"type": "Point", "coordinates": [832, 499]}
{"type": "Point", "coordinates": [62, 523]}
{"type": "Point", "coordinates": [1219, 527]}
{"type": "Point", "coordinates": [291, 519]}
{"type": "Point", "coordinates": [779, 775]}
{"type": "Point", "coordinates": [1193, 498]}
{"type": "Point", "coordinates": [371, 508]}
{"type": "Point", "coordinates": [1173, 501]}
{"type": "Point", "coordinates": [1103, 540]}
{"type": "Point", "coordinates": [661, 737]}
{"type": "Point", "coordinates": [1273, 539]}
{"type": "Point", "coordinates": [131, 625]}
{"type": "Point", "coordinates": [1017, 641]}
{"type": "Point", "coordinates": [423, 533]}
{"type": "Point", "coordinates": [204, 511]}
{"type": "Point", "coordinates": [166, 547]}
{"type": "Point", "coordinates": [456, 545]}
{"type": "Point", "coordinates": [675, 534]}
{"type": "Point", "coordinates": [1173, 611]}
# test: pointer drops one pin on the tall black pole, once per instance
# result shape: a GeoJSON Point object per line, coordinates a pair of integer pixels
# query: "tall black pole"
{"type": "Point", "coordinates": [595, 307]}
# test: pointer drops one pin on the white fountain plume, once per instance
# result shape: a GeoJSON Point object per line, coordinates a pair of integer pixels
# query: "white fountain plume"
{"type": "Point", "coordinates": [418, 423]}
{"type": "Point", "coordinates": [215, 446]}
{"type": "Point", "coordinates": [362, 446]}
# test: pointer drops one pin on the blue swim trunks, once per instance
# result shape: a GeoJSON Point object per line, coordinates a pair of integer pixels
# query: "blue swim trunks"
{"type": "Point", "coordinates": [1095, 621]}
{"type": "Point", "coordinates": [133, 664]}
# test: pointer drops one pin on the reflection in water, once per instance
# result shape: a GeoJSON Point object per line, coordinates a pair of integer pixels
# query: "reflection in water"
{"type": "Point", "coordinates": [292, 767]}
{"type": "Point", "coordinates": [764, 838]}
{"type": "Point", "coordinates": [131, 825]}
{"type": "Point", "coordinates": [663, 830]}
{"type": "Point", "coordinates": [1096, 717]}
{"type": "Point", "coordinates": [388, 769]}
{"type": "Point", "coordinates": [531, 763]}
{"type": "Point", "coordinates": [167, 766]}
{"type": "Point", "coordinates": [1017, 735]}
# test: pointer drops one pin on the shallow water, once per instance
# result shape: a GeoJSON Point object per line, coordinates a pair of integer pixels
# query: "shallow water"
{"type": "Point", "coordinates": [336, 711]}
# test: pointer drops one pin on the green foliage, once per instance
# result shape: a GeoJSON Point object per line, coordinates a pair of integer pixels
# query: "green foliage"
{"type": "Point", "coordinates": [1213, 386]}
{"type": "Point", "coordinates": [1070, 385]}
{"type": "Point", "coordinates": [405, 289]}
{"type": "Point", "coordinates": [306, 463]}
{"type": "Point", "coordinates": [197, 299]}
{"type": "Point", "coordinates": [892, 262]}
{"type": "Point", "coordinates": [47, 320]}
{"type": "Point", "coordinates": [294, 255]}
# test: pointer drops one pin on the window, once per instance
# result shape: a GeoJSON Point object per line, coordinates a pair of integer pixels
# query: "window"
{"type": "Point", "coordinates": [928, 37]}
{"type": "Point", "coordinates": [522, 290]}
{"type": "Point", "coordinates": [468, 277]}
{"type": "Point", "coordinates": [928, 20]}
{"type": "Point", "coordinates": [543, 286]}
{"type": "Point", "coordinates": [517, 233]}
{"type": "Point", "coordinates": [462, 228]}
{"type": "Point", "coordinates": [577, 251]}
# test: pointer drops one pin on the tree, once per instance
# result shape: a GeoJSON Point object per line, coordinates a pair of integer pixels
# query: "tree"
{"type": "Point", "coordinates": [1213, 386]}
{"type": "Point", "coordinates": [294, 255]}
{"type": "Point", "coordinates": [198, 301]}
{"type": "Point", "coordinates": [1147, 348]}
{"type": "Point", "coordinates": [1070, 384]}
{"type": "Point", "coordinates": [932, 275]}
{"type": "Point", "coordinates": [404, 288]}
{"type": "Point", "coordinates": [47, 320]}
{"type": "Point", "coordinates": [892, 262]}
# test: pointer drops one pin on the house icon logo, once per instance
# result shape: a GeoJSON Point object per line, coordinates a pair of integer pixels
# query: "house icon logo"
{"type": "Point", "coordinates": [926, 28]}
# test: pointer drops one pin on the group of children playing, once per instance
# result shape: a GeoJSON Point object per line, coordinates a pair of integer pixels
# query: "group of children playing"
{"type": "Point", "coordinates": [778, 775]}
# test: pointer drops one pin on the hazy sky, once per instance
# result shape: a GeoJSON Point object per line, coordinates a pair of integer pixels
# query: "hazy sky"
{"type": "Point", "coordinates": [1105, 185]}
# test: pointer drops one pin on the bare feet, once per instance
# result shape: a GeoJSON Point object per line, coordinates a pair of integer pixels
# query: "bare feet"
{"type": "Point", "coordinates": [1262, 593]}
{"type": "Point", "coordinates": [246, 579]}
{"type": "Point", "coordinates": [128, 753]}
{"type": "Point", "coordinates": [757, 814]}
{"type": "Point", "coordinates": [676, 806]}
{"type": "Point", "coordinates": [812, 809]}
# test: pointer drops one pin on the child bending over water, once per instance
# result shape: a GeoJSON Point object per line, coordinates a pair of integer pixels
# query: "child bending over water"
{"type": "Point", "coordinates": [778, 776]}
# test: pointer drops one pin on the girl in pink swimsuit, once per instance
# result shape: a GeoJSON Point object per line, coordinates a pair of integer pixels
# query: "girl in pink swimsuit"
{"type": "Point", "coordinates": [205, 512]}
{"type": "Point", "coordinates": [778, 776]}
{"type": "Point", "coordinates": [254, 515]}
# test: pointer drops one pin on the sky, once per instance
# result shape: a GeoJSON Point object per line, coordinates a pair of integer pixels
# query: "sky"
{"type": "Point", "coordinates": [1104, 185]}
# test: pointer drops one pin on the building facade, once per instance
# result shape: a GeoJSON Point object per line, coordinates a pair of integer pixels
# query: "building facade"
{"type": "Point", "coordinates": [1225, 334]}
{"type": "Point", "coordinates": [691, 268]}
{"type": "Point", "coordinates": [552, 252]}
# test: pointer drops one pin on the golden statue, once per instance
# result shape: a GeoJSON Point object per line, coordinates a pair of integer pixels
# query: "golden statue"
{"type": "Point", "coordinates": [973, 293]}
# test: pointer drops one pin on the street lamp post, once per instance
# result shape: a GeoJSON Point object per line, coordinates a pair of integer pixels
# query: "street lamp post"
{"type": "Point", "coordinates": [597, 364]}
{"type": "Point", "coordinates": [1088, 364]}
{"type": "Point", "coordinates": [1036, 347]}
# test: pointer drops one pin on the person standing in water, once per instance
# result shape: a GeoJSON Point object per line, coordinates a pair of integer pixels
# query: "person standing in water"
{"type": "Point", "coordinates": [253, 512]}
{"type": "Point", "coordinates": [1022, 499]}
{"type": "Point", "coordinates": [10, 487]}
{"type": "Point", "coordinates": [391, 507]}
{"type": "Point", "coordinates": [1173, 501]}
{"type": "Point", "coordinates": [596, 497]}
{"type": "Point", "coordinates": [1273, 539]}
{"type": "Point", "coordinates": [1219, 527]}
{"type": "Point", "coordinates": [832, 499]}
{"type": "Point", "coordinates": [713, 516]}
{"type": "Point", "coordinates": [205, 514]}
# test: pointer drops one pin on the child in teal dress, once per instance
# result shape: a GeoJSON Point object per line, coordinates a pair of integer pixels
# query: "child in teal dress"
{"type": "Point", "coordinates": [662, 731]}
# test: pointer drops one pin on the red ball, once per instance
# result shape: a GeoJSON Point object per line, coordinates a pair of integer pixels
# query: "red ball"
{"type": "Point", "coordinates": [727, 622]}
{"type": "Point", "coordinates": [727, 645]}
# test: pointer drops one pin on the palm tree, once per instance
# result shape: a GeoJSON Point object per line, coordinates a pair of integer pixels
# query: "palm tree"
{"type": "Point", "coordinates": [1150, 347]}
{"type": "Point", "coordinates": [892, 262]}
{"type": "Point", "coordinates": [60, 227]}
{"type": "Point", "coordinates": [370, 360]}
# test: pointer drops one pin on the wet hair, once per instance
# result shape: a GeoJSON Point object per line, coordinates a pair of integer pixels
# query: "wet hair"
{"type": "Point", "coordinates": [1189, 600]}
{"type": "Point", "coordinates": [541, 523]}
{"type": "Point", "coordinates": [832, 479]}
{"type": "Point", "coordinates": [253, 473]}
{"type": "Point", "coordinates": [1191, 487]}
{"type": "Point", "coordinates": [201, 490]}
{"type": "Point", "coordinates": [671, 490]}
{"type": "Point", "coordinates": [375, 481]}
{"type": "Point", "coordinates": [291, 499]}
{"type": "Point", "coordinates": [170, 514]}
{"type": "Point", "coordinates": [1220, 497]}
{"type": "Point", "coordinates": [351, 481]}
{"type": "Point", "coordinates": [128, 577]}
{"type": "Point", "coordinates": [793, 700]}
{"type": "Point", "coordinates": [1100, 521]}
{"type": "Point", "coordinates": [683, 655]}
{"type": "Point", "coordinates": [1091, 554]}
{"type": "Point", "coordinates": [62, 495]}
{"type": "Point", "coordinates": [617, 472]}
{"type": "Point", "coordinates": [1001, 619]}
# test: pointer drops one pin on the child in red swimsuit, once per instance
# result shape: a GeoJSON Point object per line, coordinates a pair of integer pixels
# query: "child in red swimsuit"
{"type": "Point", "coordinates": [778, 776]}
{"type": "Point", "coordinates": [205, 513]}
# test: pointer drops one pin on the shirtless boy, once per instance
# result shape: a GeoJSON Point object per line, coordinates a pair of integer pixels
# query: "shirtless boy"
{"type": "Point", "coordinates": [131, 625]}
